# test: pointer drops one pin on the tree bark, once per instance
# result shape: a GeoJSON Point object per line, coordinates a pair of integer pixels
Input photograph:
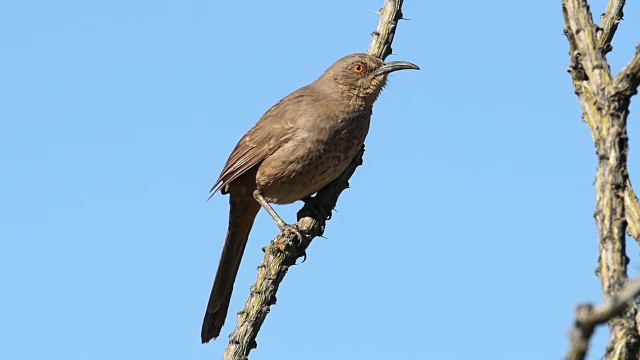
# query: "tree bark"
{"type": "Point", "coordinates": [605, 103]}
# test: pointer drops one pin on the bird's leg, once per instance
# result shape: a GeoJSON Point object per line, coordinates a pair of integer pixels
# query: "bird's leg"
{"type": "Point", "coordinates": [281, 224]}
{"type": "Point", "coordinates": [261, 200]}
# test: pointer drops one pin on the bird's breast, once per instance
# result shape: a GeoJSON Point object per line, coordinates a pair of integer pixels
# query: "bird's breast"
{"type": "Point", "coordinates": [316, 154]}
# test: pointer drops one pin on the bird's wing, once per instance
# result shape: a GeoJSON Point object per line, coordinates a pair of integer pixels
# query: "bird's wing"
{"type": "Point", "coordinates": [273, 129]}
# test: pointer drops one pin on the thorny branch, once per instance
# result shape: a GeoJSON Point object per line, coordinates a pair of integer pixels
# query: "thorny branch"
{"type": "Point", "coordinates": [628, 80]}
{"type": "Point", "coordinates": [610, 20]}
{"type": "Point", "coordinates": [605, 103]}
{"type": "Point", "coordinates": [381, 39]}
{"type": "Point", "coordinates": [588, 317]}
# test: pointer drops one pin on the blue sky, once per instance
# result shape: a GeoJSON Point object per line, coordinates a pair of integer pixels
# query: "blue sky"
{"type": "Point", "coordinates": [468, 232]}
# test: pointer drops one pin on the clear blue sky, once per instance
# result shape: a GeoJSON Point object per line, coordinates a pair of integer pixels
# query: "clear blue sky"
{"type": "Point", "coordinates": [468, 232]}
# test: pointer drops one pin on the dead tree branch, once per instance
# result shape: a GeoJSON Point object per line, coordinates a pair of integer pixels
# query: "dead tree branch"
{"type": "Point", "coordinates": [610, 20]}
{"type": "Point", "coordinates": [382, 37]}
{"type": "Point", "coordinates": [605, 103]}
{"type": "Point", "coordinates": [588, 317]}
{"type": "Point", "coordinates": [628, 80]}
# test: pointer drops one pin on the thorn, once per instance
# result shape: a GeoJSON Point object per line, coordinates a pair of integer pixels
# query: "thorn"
{"type": "Point", "coordinates": [375, 12]}
{"type": "Point", "coordinates": [304, 254]}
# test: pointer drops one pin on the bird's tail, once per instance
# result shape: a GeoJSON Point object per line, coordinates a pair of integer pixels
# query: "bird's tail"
{"type": "Point", "coordinates": [242, 213]}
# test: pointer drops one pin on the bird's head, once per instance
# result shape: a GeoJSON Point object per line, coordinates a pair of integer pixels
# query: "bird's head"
{"type": "Point", "coordinates": [361, 76]}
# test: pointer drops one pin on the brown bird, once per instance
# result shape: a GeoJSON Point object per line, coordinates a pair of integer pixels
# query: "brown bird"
{"type": "Point", "coordinates": [301, 144]}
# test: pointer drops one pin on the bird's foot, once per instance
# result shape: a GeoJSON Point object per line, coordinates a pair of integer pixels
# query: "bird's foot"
{"type": "Point", "coordinates": [284, 227]}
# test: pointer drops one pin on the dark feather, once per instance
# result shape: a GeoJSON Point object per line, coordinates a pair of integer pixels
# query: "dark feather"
{"type": "Point", "coordinates": [268, 135]}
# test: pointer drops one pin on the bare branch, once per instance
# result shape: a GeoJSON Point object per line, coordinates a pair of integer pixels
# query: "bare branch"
{"type": "Point", "coordinates": [382, 38]}
{"type": "Point", "coordinates": [623, 84]}
{"type": "Point", "coordinates": [628, 80]}
{"type": "Point", "coordinates": [580, 23]}
{"type": "Point", "coordinates": [588, 317]}
{"type": "Point", "coordinates": [632, 208]}
{"type": "Point", "coordinates": [283, 251]}
{"type": "Point", "coordinates": [589, 88]}
{"type": "Point", "coordinates": [605, 109]}
{"type": "Point", "coordinates": [583, 90]}
{"type": "Point", "coordinates": [610, 20]}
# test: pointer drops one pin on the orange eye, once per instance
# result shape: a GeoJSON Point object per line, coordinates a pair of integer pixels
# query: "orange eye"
{"type": "Point", "coordinates": [358, 68]}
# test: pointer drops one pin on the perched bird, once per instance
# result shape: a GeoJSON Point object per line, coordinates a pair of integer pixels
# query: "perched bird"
{"type": "Point", "coordinates": [298, 146]}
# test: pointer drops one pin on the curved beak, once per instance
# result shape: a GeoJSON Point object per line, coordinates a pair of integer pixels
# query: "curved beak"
{"type": "Point", "coordinates": [395, 66]}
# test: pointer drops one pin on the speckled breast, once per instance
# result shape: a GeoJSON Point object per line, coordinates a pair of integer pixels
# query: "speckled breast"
{"type": "Point", "coordinates": [311, 160]}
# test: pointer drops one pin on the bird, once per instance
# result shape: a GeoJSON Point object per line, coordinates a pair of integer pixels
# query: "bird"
{"type": "Point", "coordinates": [302, 143]}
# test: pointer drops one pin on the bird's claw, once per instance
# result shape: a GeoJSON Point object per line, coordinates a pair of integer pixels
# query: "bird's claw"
{"type": "Point", "coordinates": [294, 229]}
